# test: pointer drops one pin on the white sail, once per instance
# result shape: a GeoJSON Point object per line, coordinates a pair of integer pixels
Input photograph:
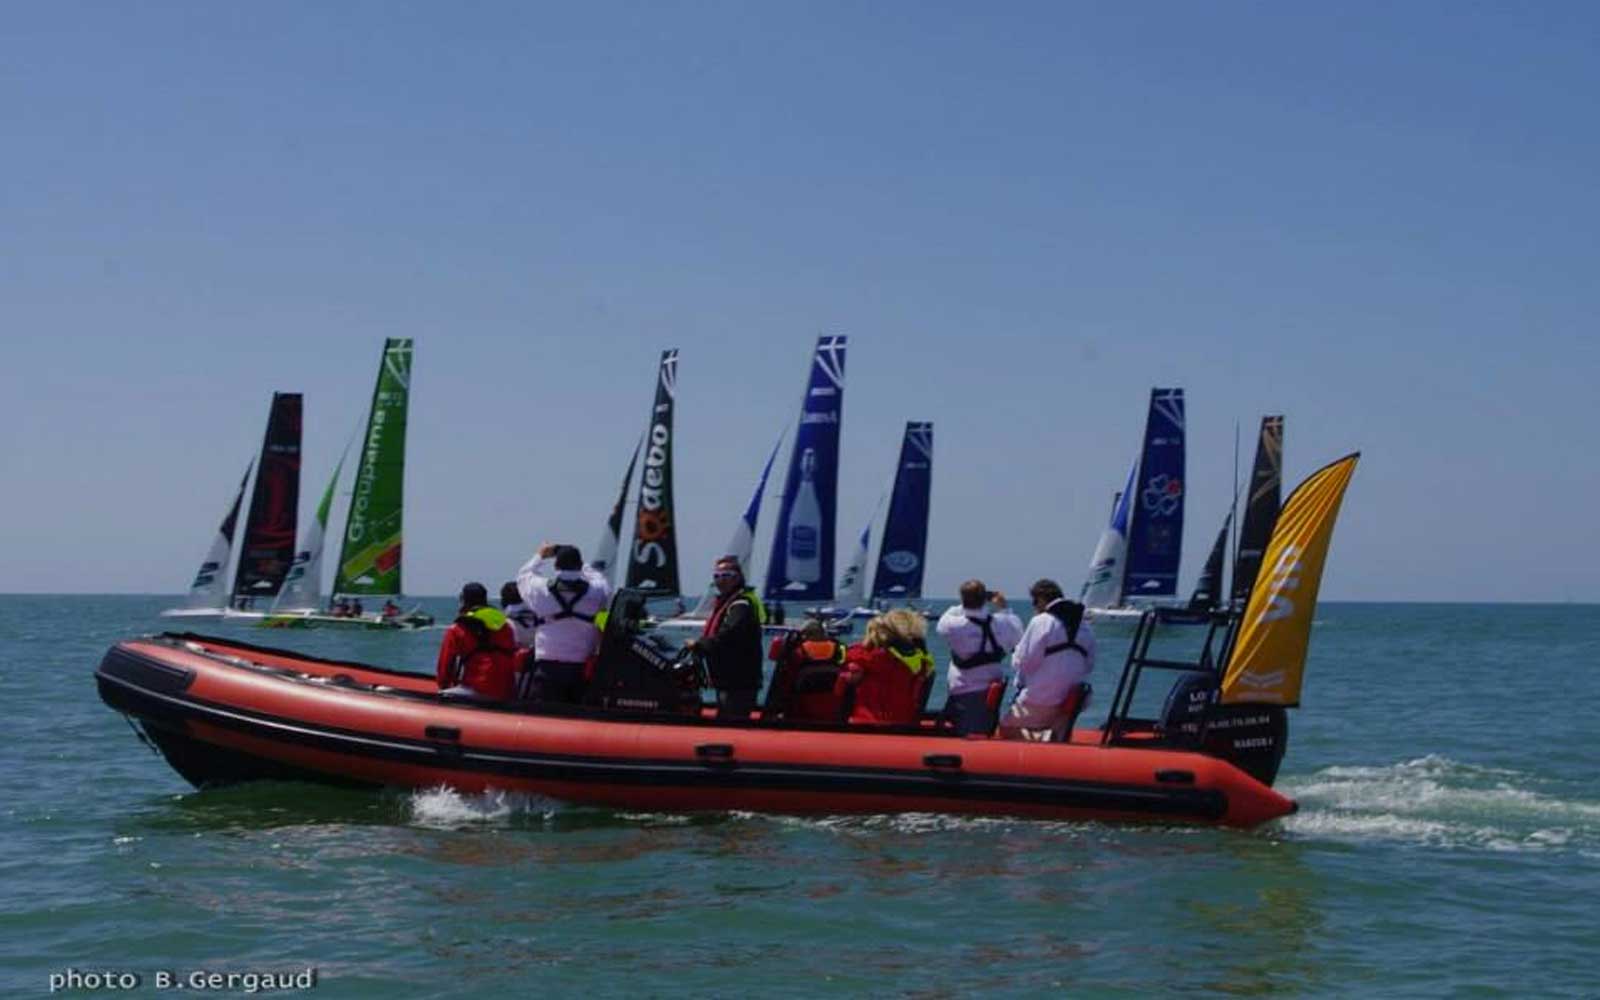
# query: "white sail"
{"type": "Point", "coordinates": [1103, 589]}
{"type": "Point", "coordinates": [852, 584]}
{"type": "Point", "coordinates": [302, 588]}
{"type": "Point", "coordinates": [742, 544]}
{"type": "Point", "coordinates": [209, 591]}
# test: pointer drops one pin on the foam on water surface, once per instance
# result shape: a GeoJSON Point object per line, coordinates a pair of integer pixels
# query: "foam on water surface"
{"type": "Point", "coordinates": [1434, 801]}
{"type": "Point", "coordinates": [443, 808]}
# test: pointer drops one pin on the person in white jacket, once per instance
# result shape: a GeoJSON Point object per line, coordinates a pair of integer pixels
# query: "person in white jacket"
{"type": "Point", "coordinates": [979, 640]}
{"type": "Point", "coordinates": [564, 598]}
{"type": "Point", "coordinates": [1054, 655]}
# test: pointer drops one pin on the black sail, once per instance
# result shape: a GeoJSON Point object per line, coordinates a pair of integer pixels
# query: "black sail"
{"type": "Point", "coordinates": [1208, 589]}
{"type": "Point", "coordinates": [1261, 507]}
{"type": "Point", "coordinates": [269, 532]}
{"type": "Point", "coordinates": [653, 557]}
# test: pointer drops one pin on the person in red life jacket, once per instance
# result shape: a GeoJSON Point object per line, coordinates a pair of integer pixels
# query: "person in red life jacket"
{"type": "Point", "coordinates": [805, 683]}
{"type": "Point", "coordinates": [478, 656]}
{"type": "Point", "coordinates": [890, 669]}
{"type": "Point", "coordinates": [731, 641]}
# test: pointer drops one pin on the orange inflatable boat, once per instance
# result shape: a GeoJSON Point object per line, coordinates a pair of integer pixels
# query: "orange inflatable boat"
{"type": "Point", "coordinates": [223, 711]}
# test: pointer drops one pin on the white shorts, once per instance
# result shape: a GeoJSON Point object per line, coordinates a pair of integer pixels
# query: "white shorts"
{"type": "Point", "coordinates": [1024, 715]}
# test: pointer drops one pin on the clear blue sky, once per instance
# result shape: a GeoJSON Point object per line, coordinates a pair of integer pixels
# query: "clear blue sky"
{"type": "Point", "coordinates": [1378, 219]}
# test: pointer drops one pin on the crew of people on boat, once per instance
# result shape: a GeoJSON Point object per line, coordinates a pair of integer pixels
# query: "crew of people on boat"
{"type": "Point", "coordinates": [342, 607]}
{"type": "Point", "coordinates": [542, 644]}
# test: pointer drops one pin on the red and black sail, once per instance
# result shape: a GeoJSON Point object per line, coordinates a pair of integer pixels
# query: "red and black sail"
{"type": "Point", "coordinates": [269, 533]}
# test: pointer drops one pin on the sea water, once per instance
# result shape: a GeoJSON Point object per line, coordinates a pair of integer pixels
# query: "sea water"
{"type": "Point", "coordinates": [1447, 844]}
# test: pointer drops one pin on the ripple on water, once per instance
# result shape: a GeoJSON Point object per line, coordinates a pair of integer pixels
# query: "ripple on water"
{"type": "Point", "coordinates": [1434, 801]}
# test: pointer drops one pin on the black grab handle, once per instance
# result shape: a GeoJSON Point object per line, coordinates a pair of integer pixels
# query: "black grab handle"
{"type": "Point", "coordinates": [1175, 777]}
{"type": "Point", "coordinates": [942, 760]}
{"type": "Point", "coordinates": [442, 733]}
{"type": "Point", "coordinates": [714, 751]}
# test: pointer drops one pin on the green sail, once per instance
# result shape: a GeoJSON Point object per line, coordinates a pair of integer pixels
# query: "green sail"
{"type": "Point", "coordinates": [369, 560]}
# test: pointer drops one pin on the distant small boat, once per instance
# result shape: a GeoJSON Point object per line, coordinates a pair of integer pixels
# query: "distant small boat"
{"type": "Point", "coordinates": [1136, 560]}
{"type": "Point", "coordinates": [652, 559]}
{"type": "Point", "coordinates": [903, 552]}
{"type": "Point", "coordinates": [801, 566]}
{"type": "Point", "coordinates": [266, 550]}
{"type": "Point", "coordinates": [370, 556]}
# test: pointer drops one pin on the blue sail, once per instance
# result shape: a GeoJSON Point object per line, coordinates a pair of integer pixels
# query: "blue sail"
{"type": "Point", "coordinates": [801, 566]}
{"type": "Point", "coordinates": [752, 512]}
{"type": "Point", "coordinates": [1155, 539]}
{"type": "Point", "coordinates": [905, 534]}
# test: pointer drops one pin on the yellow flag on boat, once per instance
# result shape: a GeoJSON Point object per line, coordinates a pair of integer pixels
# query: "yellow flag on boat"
{"type": "Point", "coordinates": [1269, 655]}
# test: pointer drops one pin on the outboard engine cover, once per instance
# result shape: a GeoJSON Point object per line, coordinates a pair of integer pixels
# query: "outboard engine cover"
{"type": "Point", "coordinates": [1252, 738]}
{"type": "Point", "coordinates": [1185, 707]}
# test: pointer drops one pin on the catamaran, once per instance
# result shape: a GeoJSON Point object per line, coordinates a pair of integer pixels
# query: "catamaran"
{"type": "Point", "coordinates": [1261, 508]}
{"type": "Point", "coordinates": [802, 562]}
{"type": "Point", "coordinates": [1136, 560]}
{"type": "Point", "coordinates": [370, 553]}
{"type": "Point", "coordinates": [652, 560]}
{"type": "Point", "coordinates": [207, 595]}
{"type": "Point", "coordinates": [1261, 515]}
{"type": "Point", "coordinates": [904, 551]}
{"type": "Point", "coordinates": [899, 570]}
{"type": "Point", "coordinates": [267, 548]}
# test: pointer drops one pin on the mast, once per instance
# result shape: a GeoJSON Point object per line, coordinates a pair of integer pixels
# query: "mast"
{"type": "Point", "coordinates": [267, 550]}
{"type": "Point", "coordinates": [904, 550]}
{"type": "Point", "coordinates": [605, 553]}
{"type": "Point", "coordinates": [1261, 507]}
{"type": "Point", "coordinates": [1155, 538]}
{"type": "Point", "coordinates": [801, 566]}
{"type": "Point", "coordinates": [653, 560]}
{"type": "Point", "coordinates": [369, 558]}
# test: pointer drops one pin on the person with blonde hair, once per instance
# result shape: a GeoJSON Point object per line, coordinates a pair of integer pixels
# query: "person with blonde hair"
{"type": "Point", "coordinates": [890, 669]}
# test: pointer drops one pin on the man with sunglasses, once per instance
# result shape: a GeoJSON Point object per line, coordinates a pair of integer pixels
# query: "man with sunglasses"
{"type": "Point", "coordinates": [731, 642]}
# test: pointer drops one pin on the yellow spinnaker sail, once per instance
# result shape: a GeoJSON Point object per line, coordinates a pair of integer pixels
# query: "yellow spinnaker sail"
{"type": "Point", "coordinates": [1269, 656]}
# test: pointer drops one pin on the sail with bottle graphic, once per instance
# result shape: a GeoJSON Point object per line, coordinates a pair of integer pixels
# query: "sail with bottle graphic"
{"type": "Point", "coordinates": [802, 562]}
{"type": "Point", "coordinates": [905, 533]}
{"type": "Point", "coordinates": [369, 559]}
{"type": "Point", "coordinates": [605, 553]}
{"type": "Point", "coordinates": [1155, 535]}
{"type": "Point", "coordinates": [267, 550]}
{"type": "Point", "coordinates": [653, 558]}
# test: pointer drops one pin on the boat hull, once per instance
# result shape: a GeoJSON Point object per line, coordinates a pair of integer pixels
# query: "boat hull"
{"type": "Point", "coordinates": [224, 712]}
